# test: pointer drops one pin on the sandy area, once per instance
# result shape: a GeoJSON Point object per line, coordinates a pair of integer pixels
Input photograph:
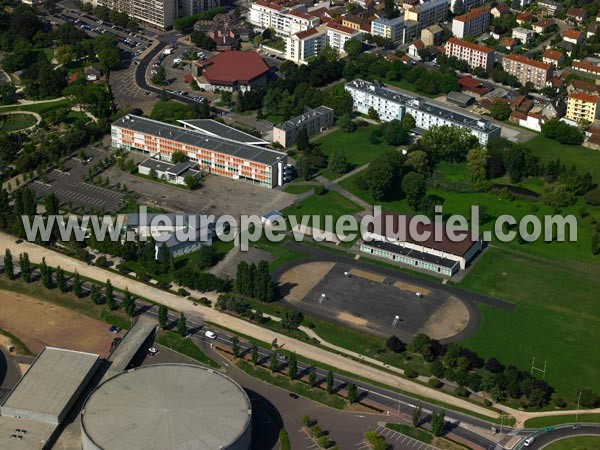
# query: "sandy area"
{"type": "Point", "coordinates": [367, 275]}
{"type": "Point", "coordinates": [411, 288]}
{"type": "Point", "coordinates": [39, 324]}
{"type": "Point", "coordinates": [304, 278]}
{"type": "Point", "coordinates": [349, 318]}
{"type": "Point", "coordinates": [450, 319]}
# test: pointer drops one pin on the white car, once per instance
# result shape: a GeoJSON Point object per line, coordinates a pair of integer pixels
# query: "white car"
{"type": "Point", "coordinates": [152, 351]}
{"type": "Point", "coordinates": [529, 441]}
{"type": "Point", "coordinates": [210, 335]}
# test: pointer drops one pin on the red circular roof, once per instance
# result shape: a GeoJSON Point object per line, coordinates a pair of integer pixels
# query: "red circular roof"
{"type": "Point", "coordinates": [233, 67]}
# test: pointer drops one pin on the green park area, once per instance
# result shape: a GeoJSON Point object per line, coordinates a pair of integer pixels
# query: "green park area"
{"type": "Point", "coordinates": [549, 421]}
{"type": "Point", "coordinates": [356, 146]}
{"type": "Point", "coordinates": [330, 203]}
{"type": "Point", "coordinates": [16, 122]}
{"type": "Point", "coordinates": [576, 443]}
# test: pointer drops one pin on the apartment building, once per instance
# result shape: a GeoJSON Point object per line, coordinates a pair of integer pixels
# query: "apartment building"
{"type": "Point", "coordinates": [392, 29]}
{"type": "Point", "coordinates": [220, 156]}
{"type": "Point", "coordinates": [472, 23]}
{"type": "Point", "coordinates": [156, 13]}
{"type": "Point", "coordinates": [549, 7]}
{"type": "Point", "coordinates": [582, 107]}
{"type": "Point", "coordinates": [284, 20]}
{"type": "Point", "coordinates": [392, 105]}
{"type": "Point", "coordinates": [520, 4]}
{"type": "Point", "coordinates": [302, 46]}
{"type": "Point", "coordinates": [467, 5]}
{"type": "Point", "coordinates": [419, 14]}
{"type": "Point", "coordinates": [338, 35]}
{"type": "Point", "coordinates": [476, 55]}
{"type": "Point", "coordinates": [312, 120]}
{"type": "Point", "coordinates": [432, 35]}
{"type": "Point", "coordinates": [527, 70]}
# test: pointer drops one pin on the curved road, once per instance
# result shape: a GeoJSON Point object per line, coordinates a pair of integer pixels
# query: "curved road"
{"type": "Point", "coordinates": [543, 439]}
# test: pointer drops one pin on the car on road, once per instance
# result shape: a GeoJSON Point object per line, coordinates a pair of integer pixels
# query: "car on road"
{"type": "Point", "coordinates": [114, 329]}
{"type": "Point", "coordinates": [210, 335]}
{"type": "Point", "coordinates": [153, 351]}
{"type": "Point", "coordinates": [294, 396]}
{"type": "Point", "coordinates": [529, 441]}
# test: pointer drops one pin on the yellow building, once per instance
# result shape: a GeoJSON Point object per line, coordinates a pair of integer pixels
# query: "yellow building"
{"type": "Point", "coordinates": [582, 107]}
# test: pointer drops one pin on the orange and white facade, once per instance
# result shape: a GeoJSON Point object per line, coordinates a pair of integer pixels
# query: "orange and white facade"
{"type": "Point", "coordinates": [216, 155]}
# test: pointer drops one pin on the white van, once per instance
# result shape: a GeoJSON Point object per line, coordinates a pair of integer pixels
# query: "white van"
{"type": "Point", "coordinates": [529, 441]}
{"type": "Point", "coordinates": [209, 334]}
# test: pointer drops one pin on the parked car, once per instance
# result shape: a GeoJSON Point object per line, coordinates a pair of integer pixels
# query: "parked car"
{"type": "Point", "coordinates": [114, 329]}
{"type": "Point", "coordinates": [153, 351]}
{"type": "Point", "coordinates": [210, 335]}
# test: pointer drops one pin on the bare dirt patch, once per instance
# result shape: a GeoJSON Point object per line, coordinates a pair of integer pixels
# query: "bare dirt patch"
{"type": "Point", "coordinates": [303, 278]}
{"type": "Point", "coordinates": [367, 275]}
{"type": "Point", "coordinates": [39, 324]}
{"type": "Point", "coordinates": [357, 321]}
{"type": "Point", "coordinates": [411, 288]}
{"type": "Point", "coordinates": [449, 320]}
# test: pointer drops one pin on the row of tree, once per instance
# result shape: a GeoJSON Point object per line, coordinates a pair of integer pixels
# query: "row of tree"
{"type": "Point", "coordinates": [254, 281]}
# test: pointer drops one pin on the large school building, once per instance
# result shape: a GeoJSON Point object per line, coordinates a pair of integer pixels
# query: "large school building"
{"type": "Point", "coordinates": [214, 154]}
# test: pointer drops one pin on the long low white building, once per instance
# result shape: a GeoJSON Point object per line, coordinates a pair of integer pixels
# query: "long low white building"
{"type": "Point", "coordinates": [391, 105]}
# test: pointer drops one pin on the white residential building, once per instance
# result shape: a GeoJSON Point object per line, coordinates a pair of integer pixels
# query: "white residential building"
{"type": "Point", "coordinates": [392, 105]}
{"type": "Point", "coordinates": [338, 35]}
{"type": "Point", "coordinates": [302, 46]}
{"type": "Point", "coordinates": [467, 5]}
{"type": "Point", "coordinates": [285, 21]}
{"type": "Point", "coordinates": [523, 34]}
{"type": "Point", "coordinates": [471, 23]}
{"type": "Point", "coordinates": [392, 29]}
{"type": "Point", "coordinates": [476, 55]}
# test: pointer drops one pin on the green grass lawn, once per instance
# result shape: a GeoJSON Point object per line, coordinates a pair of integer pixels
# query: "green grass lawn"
{"type": "Point", "coordinates": [41, 108]}
{"type": "Point", "coordinates": [542, 422]}
{"type": "Point", "coordinates": [356, 146]}
{"type": "Point", "coordinates": [576, 443]}
{"type": "Point", "coordinates": [331, 203]}
{"type": "Point", "coordinates": [558, 316]}
{"type": "Point", "coordinates": [584, 159]}
{"type": "Point", "coordinates": [184, 346]}
{"type": "Point", "coordinates": [274, 118]}
{"type": "Point", "coordinates": [298, 188]}
{"type": "Point", "coordinates": [15, 122]}
{"type": "Point", "coordinates": [403, 84]}
{"type": "Point", "coordinates": [408, 430]}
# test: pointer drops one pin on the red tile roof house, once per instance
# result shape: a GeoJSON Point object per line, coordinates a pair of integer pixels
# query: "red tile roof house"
{"type": "Point", "coordinates": [553, 57]}
{"type": "Point", "coordinates": [577, 14]}
{"type": "Point", "coordinates": [508, 42]}
{"type": "Point", "coordinates": [573, 36]}
{"type": "Point", "coordinates": [232, 71]}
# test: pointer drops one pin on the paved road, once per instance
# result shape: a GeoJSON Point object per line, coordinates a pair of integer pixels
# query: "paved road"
{"type": "Point", "coordinates": [543, 439]}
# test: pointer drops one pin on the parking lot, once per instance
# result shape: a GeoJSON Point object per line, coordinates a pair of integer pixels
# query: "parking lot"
{"type": "Point", "coordinates": [128, 40]}
{"type": "Point", "coordinates": [70, 188]}
{"type": "Point", "coordinates": [218, 195]}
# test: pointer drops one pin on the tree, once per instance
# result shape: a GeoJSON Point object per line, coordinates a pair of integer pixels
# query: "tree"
{"type": "Point", "coordinates": [352, 393]}
{"type": "Point", "coordinates": [447, 142]}
{"type": "Point", "coordinates": [235, 346]}
{"type": "Point", "coordinates": [303, 167]}
{"type": "Point", "coordinates": [25, 266]}
{"type": "Point", "coordinates": [422, 344]}
{"type": "Point", "coordinates": [7, 93]}
{"type": "Point", "coordinates": [273, 364]}
{"type": "Point", "coordinates": [110, 296]}
{"type": "Point", "coordinates": [178, 157]}
{"type": "Point", "coordinates": [96, 294]}
{"type": "Point", "coordinates": [419, 162]}
{"type": "Point", "coordinates": [373, 114]}
{"type": "Point", "coordinates": [292, 319]}
{"type": "Point", "coordinates": [202, 40]}
{"type": "Point", "coordinates": [562, 132]}
{"type": "Point", "coordinates": [416, 416]}
{"type": "Point", "coordinates": [9, 268]}
{"type": "Point", "coordinates": [330, 381]}
{"type": "Point", "coordinates": [312, 378]}
{"type": "Point", "coordinates": [160, 77]}
{"type": "Point", "coordinates": [77, 290]}
{"type": "Point", "coordinates": [338, 163]}
{"type": "Point", "coordinates": [459, 7]}
{"type": "Point", "coordinates": [181, 330]}
{"type": "Point", "coordinates": [437, 423]}
{"type": "Point", "coordinates": [163, 316]}
{"type": "Point", "coordinates": [346, 123]}
{"type": "Point", "coordinates": [306, 420]}
{"type": "Point", "coordinates": [477, 161]}
{"type": "Point", "coordinates": [293, 366]}
{"type": "Point", "coordinates": [191, 181]}
{"type": "Point", "coordinates": [500, 110]}
{"type": "Point", "coordinates": [390, 9]}
{"type": "Point", "coordinates": [107, 52]}
{"type": "Point", "coordinates": [395, 344]}
{"type": "Point", "coordinates": [61, 281]}
{"type": "Point", "coordinates": [254, 354]}
{"type": "Point", "coordinates": [414, 188]}
{"type": "Point", "coordinates": [302, 142]}
{"type": "Point", "coordinates": [353, 47]}
{"type": "Point", "coordinates": [408, 122]}
{"type": "Point", "coordinates": [128, 303]}
{"type": "Point", "coordinates": [394, 133]}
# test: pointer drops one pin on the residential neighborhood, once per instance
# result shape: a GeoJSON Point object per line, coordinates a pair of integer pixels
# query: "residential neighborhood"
{"type": "Point", "coordinates": [299, 224]}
